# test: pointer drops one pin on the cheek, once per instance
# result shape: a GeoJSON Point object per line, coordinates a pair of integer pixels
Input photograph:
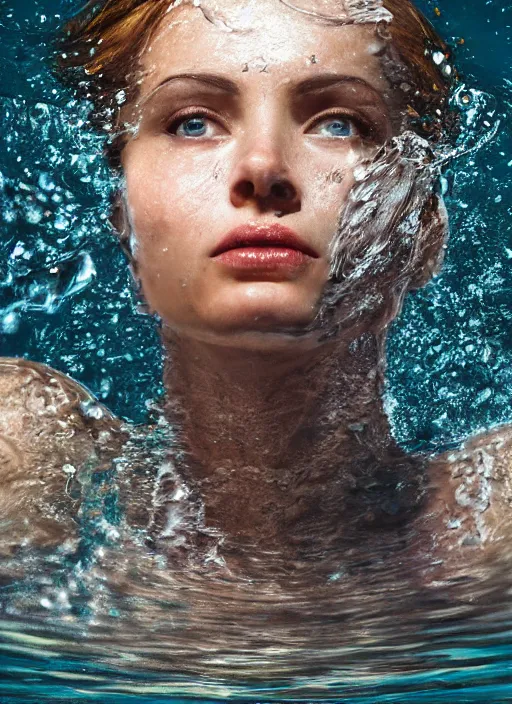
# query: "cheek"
{"type": "Point", "coordinates": [332, 188]}
{"type": "Point", "coordinates": [169, 199]}
{"type": "Point", "coordinates": [328, 188]}
{"type": "Point", "coordinates": [170, 209]}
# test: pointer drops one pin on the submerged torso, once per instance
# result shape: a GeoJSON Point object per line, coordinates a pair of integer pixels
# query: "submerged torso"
{"type": "Point", "coordinates": [73, 474]}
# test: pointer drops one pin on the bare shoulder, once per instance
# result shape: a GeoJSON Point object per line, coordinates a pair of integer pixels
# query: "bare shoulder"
{"type": "Point", "coordinates": [50, 428]}
{"type": "Point", "coordinates": [472, 487]}
{"type": "Point", "coordinates": [489, 447]}
{"type": "Point", "coordinates": [487, 454]}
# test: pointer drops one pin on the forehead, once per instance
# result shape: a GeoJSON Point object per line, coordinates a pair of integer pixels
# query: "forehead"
{"type": "Point", "coordinates": [261, 37]}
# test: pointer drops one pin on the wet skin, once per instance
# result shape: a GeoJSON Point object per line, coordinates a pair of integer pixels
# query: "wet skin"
{"type": "Point", "coordinates": [284, 110]}
{"type": "Point", "coordinates": [50, 426]}
{"type": "Point", "coordinates": [266, 127]}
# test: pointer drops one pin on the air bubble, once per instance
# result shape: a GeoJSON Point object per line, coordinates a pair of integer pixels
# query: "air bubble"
{"type": "Point", "coordinates": [10, 323]}
{"type": "Point", "coordinates": [91, 409]}
{"type": "Point", "coordinates": [61, 223]}
{"type": "Point", "coordinates": [438, 57]}
{"type": "Point", "coordinates": [33, 215]}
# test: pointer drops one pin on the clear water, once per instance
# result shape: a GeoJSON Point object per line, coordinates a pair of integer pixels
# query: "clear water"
{"type": "Point", "coordinates": [65, 293]}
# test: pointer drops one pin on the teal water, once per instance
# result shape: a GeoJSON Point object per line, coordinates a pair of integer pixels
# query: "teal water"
{"type": "Point", "coordinates": [455, 334]}
{"type": "Point", "coordinates": [450, 374]}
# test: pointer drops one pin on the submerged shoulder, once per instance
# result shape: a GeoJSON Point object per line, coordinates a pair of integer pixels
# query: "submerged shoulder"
{"type": "Point", "coordinates": [473, 485]}
{"type": "Point", "coordinates": [37, 401]}
{"type": "Point", "coordinates": [488, 454]}
{"type": "Point", "coordinates": [22, 380]}
{"type": "Point", "coordinates": [50, 428]}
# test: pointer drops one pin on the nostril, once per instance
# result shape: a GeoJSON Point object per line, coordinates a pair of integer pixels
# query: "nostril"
{"type": "Point", "coordinates": [278, 194]}
{"type": "Point", "coordinates": [283, 191]}
{"type": "Point", "coordinates": [246, 189]}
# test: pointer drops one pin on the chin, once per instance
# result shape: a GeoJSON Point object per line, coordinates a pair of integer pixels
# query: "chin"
{"type": "Point", "coordinates": [262, 340]}
{"type": "Point", "coordinates": [263, 308]}
{"type": "Point", "coordinates": [252, 325]}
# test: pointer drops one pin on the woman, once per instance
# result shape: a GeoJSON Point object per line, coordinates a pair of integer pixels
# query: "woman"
{"type": "Point", "coordinates": [280, 198]}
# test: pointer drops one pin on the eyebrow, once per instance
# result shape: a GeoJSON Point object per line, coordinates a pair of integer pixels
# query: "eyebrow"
{"type": "Point", "coordinates": [209, 79]}
{"type": "Point", "coordinates": [328, 80]}
{"type": "Point", "coordinates": [309, 85]}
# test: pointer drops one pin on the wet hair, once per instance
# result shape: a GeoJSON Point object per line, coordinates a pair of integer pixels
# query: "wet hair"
{"type": "Point", "coordinates": [99, 49]}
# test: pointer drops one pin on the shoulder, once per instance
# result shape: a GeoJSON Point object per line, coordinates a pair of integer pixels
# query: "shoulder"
{"type": "Point", "coordinates": [41, 406]}
{"type": "Point", "coordinates": [50, 428]}
{"type": "Point", "coordinates": [488, 454]}
{"type": "Point", "coordinates": [37, 386]}
{"type": "Point", "coordinates": [473, 484]}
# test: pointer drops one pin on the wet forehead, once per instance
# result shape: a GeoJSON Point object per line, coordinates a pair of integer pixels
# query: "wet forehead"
{"type": "Point", "coordinates": [267, 37]}
{"type": "Point", "coordinates": [243, 14]}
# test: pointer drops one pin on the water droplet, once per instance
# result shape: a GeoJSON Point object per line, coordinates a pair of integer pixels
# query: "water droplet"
{"type": "Point", "coordinates": [91, 409]}
{"type": "Point", "coordinates": [10, 323]}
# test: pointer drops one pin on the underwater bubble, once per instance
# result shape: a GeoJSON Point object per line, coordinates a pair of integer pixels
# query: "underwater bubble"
{"type": "Point", "coordinates": [91, 409]}
{"type": "Point", "coordinates": [61, 223]}
{"type": "Point", "coordinates": [18, 250]}
{"type": "Point", "coordinates": [46, 182]}
{"type": "Point", "coordinates": [10, 323]}
{"type": "Point", "coordinates": [34, 214]}
{"type": "Point", "coordinates": [9, 216]}
{"type": "Point", "coordinates": [105, 387]}
{"type": "Point", "coordinates": [477, 110]}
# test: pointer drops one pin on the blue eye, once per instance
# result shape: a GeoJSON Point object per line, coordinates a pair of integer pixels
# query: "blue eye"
{"type": "Point", "coordinates": [336, 127]}
{"type": "Point", "coordinates": [192, 127]}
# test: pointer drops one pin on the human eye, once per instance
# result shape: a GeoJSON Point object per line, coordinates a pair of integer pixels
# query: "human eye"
{"type": "Point", "coordinates": [337, 126]}
{"type": "Point", "coordinates": [194, 125]}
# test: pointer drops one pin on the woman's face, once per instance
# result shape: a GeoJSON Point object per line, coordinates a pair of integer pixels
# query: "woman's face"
{"type": "Point", "coordinates": [251, 119]}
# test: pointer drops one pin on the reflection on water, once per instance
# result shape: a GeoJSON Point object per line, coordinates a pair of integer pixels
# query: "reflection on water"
{"type": "Point", "coordinates": [105, 614]}
{"type": "Point", "coordinates": [126, 624]}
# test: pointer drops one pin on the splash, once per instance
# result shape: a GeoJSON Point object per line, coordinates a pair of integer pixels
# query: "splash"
{"type": "Point", "coordinates": [43, 291]}
{"type": "Point", "coordinates": [46, 228]}
{"type": "Point", "coordinates": [342, 11]}
{"type": "Point", "coordinates": [392, 228]}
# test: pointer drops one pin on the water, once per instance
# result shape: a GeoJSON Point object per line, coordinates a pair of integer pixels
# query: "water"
{"type": "Point", "coordinates": [98, 622]}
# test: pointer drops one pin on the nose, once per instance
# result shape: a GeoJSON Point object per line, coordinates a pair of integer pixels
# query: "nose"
{"type": "Point", "coordinates": [262, 179]}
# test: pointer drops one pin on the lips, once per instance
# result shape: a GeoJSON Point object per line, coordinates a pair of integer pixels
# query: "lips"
{"type": "Point", "coordinates": [264, 237]}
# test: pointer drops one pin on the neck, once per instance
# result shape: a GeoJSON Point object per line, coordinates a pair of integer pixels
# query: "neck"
{"type": "Point", "coordinates": [281, 448]}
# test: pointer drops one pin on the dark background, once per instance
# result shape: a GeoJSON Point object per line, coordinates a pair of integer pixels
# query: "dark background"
{"type": "Point", "coordinates": [450, 352]}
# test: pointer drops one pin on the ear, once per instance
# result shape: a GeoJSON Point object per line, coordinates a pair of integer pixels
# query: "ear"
{"type": "Point", "coordinates": [121, 225]}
